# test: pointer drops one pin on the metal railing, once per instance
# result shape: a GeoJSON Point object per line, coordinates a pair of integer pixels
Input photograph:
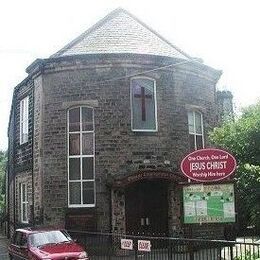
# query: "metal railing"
{"type": "Point", "coordinates": [108, 246]}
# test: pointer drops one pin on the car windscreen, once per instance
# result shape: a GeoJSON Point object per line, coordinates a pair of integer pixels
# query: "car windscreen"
{"type": "Point", "coordinates": [48, 237]}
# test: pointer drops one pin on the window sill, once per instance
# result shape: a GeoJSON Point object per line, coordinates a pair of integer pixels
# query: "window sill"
{"type": "Point", "coordinates": [82, 206]}
{"type": "Point", "coordinates": [145, 130]}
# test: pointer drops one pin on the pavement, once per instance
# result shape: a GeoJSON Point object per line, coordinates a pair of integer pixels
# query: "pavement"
{"type": "Point", "coordinates": [3, 247]}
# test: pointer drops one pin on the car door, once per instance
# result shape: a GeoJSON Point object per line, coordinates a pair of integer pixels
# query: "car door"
{"type": "Point", "coordinates": [18, 248]}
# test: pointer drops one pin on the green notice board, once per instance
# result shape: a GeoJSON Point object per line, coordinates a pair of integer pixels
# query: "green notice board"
{"type": "Point", "coordinates": [214, 203]}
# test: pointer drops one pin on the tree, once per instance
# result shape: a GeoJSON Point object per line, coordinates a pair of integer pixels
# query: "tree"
{"type": "Point", "coordinates": [242, 138]}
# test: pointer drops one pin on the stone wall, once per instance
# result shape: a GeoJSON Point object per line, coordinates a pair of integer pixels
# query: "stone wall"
{"type": "Point", "coordinates": [174, 210]}
{"type": "Point", "coordinates": [103, 81]}
{"type": "Point", "coordinates": [38, 150]}
{"type": "Point", "coordinates": [118, 224]}
{"type": "Point", "coordinates": [77, 80]}
{"type": "Point", "coordinates": [11, 209]}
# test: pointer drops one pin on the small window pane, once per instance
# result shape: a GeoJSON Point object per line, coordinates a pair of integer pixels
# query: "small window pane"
{"type": "Point", "coordinates": [25, 129]}
{"type": "Point", "coordinates": [192, 142]}
{"type": "Point", "coordinates": [150, 112]}
{"type": "Point", "coordinates": [136, 88]}
{"type": "Point", "coordinates": [23, 192]}
{"type": "Point", "coordinates": [74, 169]}
{"type": "Point", "coordinates": [88, 192]}
{"type": "Point", "coordinates": [87, 144]}
{"type": "Point", "coordinates": [74, 120]}
{"type": "Point", "coordinates": [87, 168]}
{"type": "Point", "coordinates": [74, 146]}
{"type": "Point", "coordinates": [24, 212]}
{"type": "Point", "coordinates": [198, 123]}
{"type": "Point", "coordinates": [75, 194]}
{"type": "Point", "coordinates": [24, 138]}
{"type": "Point", "coordinates": [87, 119]}
{"type": "Point", "coordinates": [22, 110]}
{"type": "Point", "coordinates": [25, 126]}
{"type": "Point", "coordinates": [25, 108]}
{"type": "Point", "coordinates": [190, 122]}
{"type": "Point", "coordinates": [199, 142]}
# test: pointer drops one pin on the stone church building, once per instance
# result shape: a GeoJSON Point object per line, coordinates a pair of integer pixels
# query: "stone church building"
{"type": "Point", "coordinates": [97, 131]}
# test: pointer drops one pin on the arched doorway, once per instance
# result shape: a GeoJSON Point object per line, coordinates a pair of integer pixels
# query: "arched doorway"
{"type": "Point", "coordinates": [146, 207]}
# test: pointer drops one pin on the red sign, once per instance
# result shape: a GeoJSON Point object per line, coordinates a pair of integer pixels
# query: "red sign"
{"type": "Point", "coordinates": [208, 165]}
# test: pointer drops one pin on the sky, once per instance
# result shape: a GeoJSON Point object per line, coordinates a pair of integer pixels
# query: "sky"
{"type": "Point", "coordinates": [224, 33]}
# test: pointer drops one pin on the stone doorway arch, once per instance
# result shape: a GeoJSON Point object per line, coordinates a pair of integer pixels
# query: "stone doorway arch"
{"type": "Point", "coordinates": [146, 203]}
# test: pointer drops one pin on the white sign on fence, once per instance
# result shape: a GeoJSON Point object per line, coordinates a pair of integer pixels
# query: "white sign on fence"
{"type": "Point", "coordinates": [127, 244]}
{"type": "Point", "coordinates": [144, 245]}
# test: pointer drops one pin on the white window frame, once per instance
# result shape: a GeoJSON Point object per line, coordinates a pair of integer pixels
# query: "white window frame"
{"type": "Point", "coordinates": [24, 120]}
{"type": "Point", "coordinates": [24, 203]}
{"type": "Point", "coordinates": [194, 112]}
{"type": "Point", "coordinates": [81, 132]}
{"type": "Point", "coordinates": [155, 106]}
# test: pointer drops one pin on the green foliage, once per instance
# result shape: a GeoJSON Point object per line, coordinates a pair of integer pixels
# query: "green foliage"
{"type": "Point", "coordinates": [248, 256]}
{"type": "Point", "coordinates": [242, 138]}
{"type": "Point", "coordinates": [248, 195]}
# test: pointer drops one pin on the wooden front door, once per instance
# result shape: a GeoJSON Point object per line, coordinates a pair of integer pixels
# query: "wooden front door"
{"type": "Point", "coordinates": [147, 208]}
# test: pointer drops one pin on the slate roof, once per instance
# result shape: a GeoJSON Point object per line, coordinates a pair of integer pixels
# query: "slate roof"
{"type": "Point", "coordinates": [121, 32]}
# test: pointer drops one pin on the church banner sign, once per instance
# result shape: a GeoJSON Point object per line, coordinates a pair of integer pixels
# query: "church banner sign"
{"type": "Point", "coordinates": [211, 203]}
{"type": "Point", "coordinates": [208, 165]}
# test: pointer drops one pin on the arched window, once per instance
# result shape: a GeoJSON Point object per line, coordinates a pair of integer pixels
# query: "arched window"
{"type": "Point", "coordinates": [196, 138]}
{"type": "Point", "coordinates": [143, 104]}
{"type": "Point", "coordinates": [81, 157]}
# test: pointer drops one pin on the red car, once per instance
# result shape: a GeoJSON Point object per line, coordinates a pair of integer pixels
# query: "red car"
{"type": "Point", "coordinates": [44, 244]}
